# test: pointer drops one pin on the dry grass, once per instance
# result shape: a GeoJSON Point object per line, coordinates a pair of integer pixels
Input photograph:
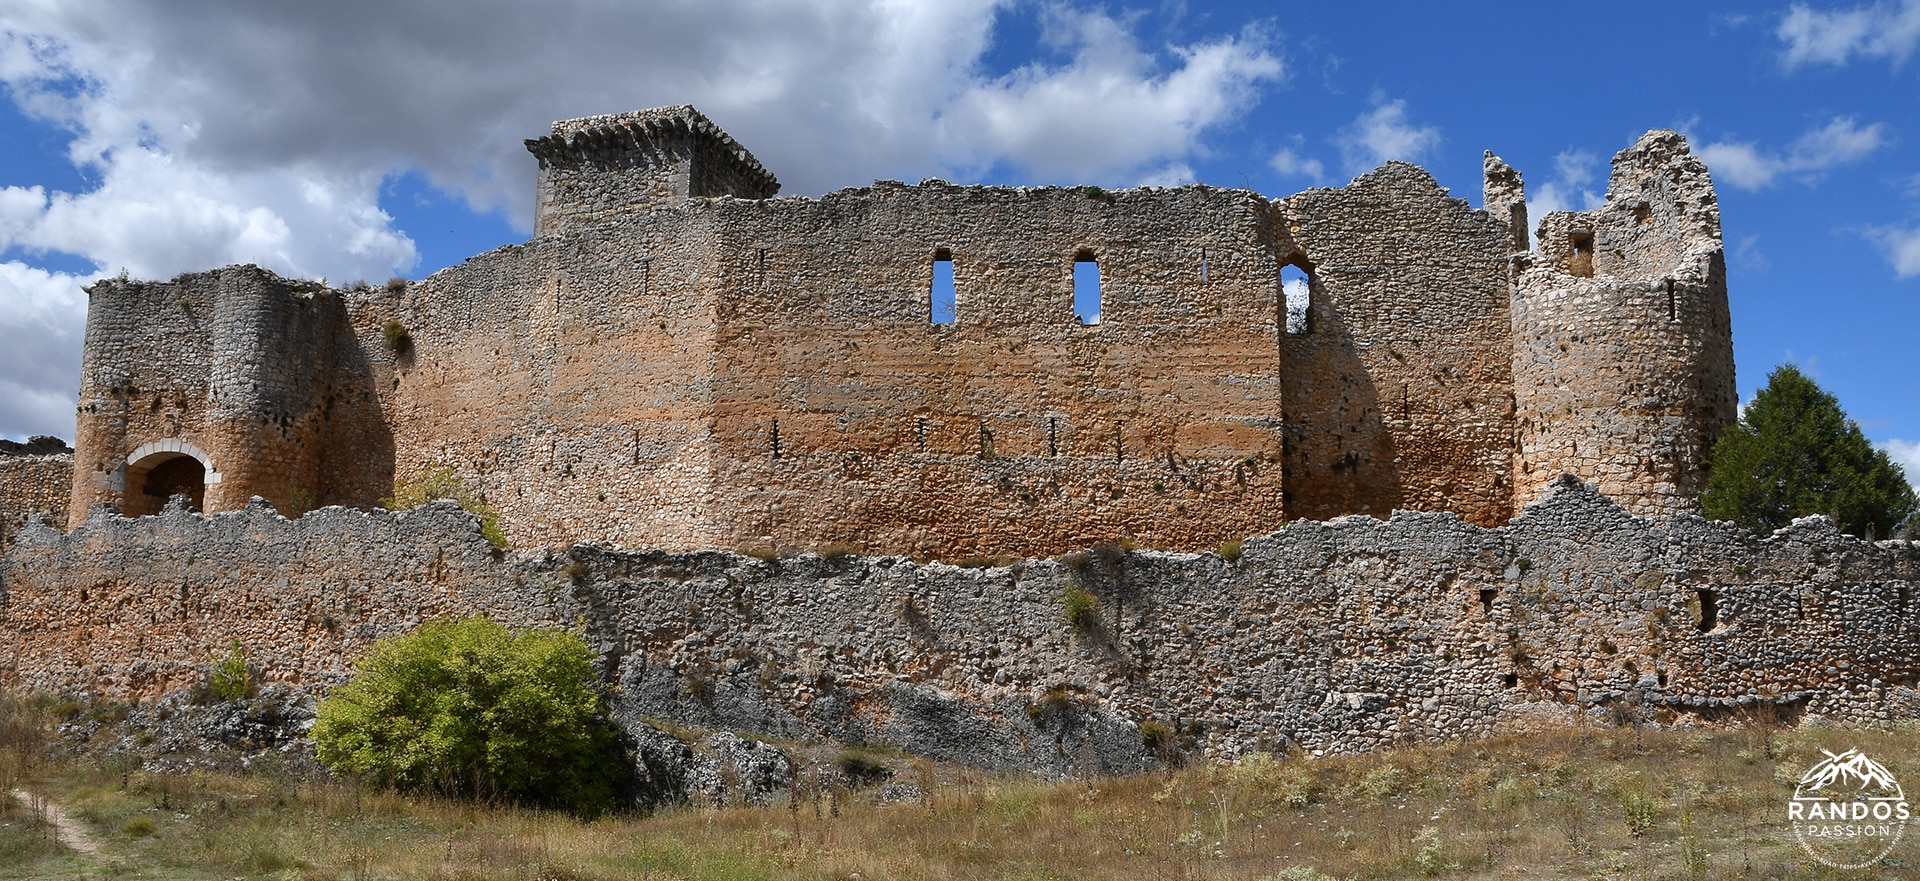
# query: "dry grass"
{"type": "Point", "coordinates": [1601, 803]}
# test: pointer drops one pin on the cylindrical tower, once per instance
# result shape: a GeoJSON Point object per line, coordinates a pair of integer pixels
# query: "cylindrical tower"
{"type": "Point", "coordinates": [1623, 347]}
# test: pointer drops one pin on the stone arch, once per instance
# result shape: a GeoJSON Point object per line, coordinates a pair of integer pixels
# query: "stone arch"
{"type": "Point", "coordinates": [164, 468]}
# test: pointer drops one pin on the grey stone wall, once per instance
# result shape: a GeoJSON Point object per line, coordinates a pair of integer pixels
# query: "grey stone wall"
{"type": "Point", "coordinates": [36, 480]}
{"type": "Point", "coordinates": [1326, 636]}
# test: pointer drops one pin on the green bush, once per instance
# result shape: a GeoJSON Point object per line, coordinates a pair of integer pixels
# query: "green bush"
{"type": "Point", "coordinates": [441, 482]}
{"type": "Point", "coordinates": [1081, 609]}
{"type": "Point", "coordinates": [229, 679]}
{"type": "Point", "coordinates": [468, 708]}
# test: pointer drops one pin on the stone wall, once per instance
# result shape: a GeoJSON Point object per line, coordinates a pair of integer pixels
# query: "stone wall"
{"type": "Point", "coordinates": [36, 479]}
{"type": "Point", "coordinates": [600, 168]}
{"type": "Point", "coordinates": [1326, 636]}
{"type": "Point", "coordinates": [1399, 395]}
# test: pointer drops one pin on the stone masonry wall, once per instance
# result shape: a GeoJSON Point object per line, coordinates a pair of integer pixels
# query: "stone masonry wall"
{"type": "Point", "coordinates": [1399, 395]}
{"type": "Point", "coordinates": [1327, 636]}
{"type": "Point", "coordinates": [1158, 422]}
{"type": "Point", "coordinates": [36, 479]}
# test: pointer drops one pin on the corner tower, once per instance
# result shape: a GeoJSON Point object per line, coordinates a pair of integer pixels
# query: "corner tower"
{"type": "Point", "coordinates": [1623, 348]}
{"type": "Point", "coordinates": [596, 168]}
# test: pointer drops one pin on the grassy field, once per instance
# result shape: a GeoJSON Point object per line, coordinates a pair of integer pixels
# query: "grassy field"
{"type": "Point", "coordinates": [1597, 803]}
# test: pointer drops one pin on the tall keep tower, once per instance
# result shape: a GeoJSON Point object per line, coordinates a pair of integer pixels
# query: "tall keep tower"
{"type": "Point", "coordinates": [599, 167]}
{"type": "Point", "coordinates": [1623, 348]}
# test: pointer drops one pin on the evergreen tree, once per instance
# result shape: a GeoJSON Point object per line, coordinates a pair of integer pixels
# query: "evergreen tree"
{"type": "Point", "coordinates": [1795, 453]}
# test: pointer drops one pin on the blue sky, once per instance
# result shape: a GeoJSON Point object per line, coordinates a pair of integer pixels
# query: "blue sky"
{"type": "Point", "coordinates": [351, 140]}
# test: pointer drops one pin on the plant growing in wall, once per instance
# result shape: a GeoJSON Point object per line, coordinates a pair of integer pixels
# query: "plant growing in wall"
{"type": "Point", "coordinates": [441, 482]}
{"type": "Point", "coordinates": [229, 678]}
{"type": "Point", "coordinates": [399, 339]}
{"type": "Point", "coordinates": [1795, 453]}
{"type": "Point", "coordinates": [467, 708]}
{"type": "Point", "coordinates": [1081, 609]}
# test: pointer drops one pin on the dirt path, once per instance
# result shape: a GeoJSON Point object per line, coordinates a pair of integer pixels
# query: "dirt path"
{"type": "Point", "coordinates": [66, 829]}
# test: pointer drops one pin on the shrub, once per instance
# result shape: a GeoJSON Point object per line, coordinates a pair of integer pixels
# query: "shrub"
{"type": "Point", "coordinates": [1230, 550]}
{"type": "Point", "coordinates": [229, 679]}
{"type": "Point", "coordinates": [398, 338]}
{"type": "Point", "coordinates": [468, 708]}
{"type": "Point", "coordinates": [396, 284]}
{"type": "Point", "coordinates": [440, 482]}
{"type": "Point", "coordinates": [1081, 609]}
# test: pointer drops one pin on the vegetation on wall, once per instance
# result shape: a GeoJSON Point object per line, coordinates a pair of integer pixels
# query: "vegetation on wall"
{"type": "Point", "coordinates": [442, 482]}
{"type": "Point", "coordinates": [1794, 453]}
{"type": "Point", "coordinates": [467, 708]}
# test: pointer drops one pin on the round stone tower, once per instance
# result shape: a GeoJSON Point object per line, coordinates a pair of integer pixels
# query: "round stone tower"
{"type": "Point", "coordinates": [1623, 348]}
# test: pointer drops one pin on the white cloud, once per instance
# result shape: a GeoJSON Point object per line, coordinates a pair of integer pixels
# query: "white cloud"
{"type": "Point", "coordinates": [1902, 247]}
{"type": "Point", "coordinates": [1882, 30]}
{"type": "Point", "coordinates": [1907, 453]}
{"type": "Point", "coordinates": [1841, 140]}
{"type": "Point", "coordinates": [223, 132]}
{"type": "Point", "coordinates": [1572, 187]}
{"type": "Point", "coordinates": [40, 352]}
{"type": "Point", "coordinates": [1384, 134]}
{"type": "Point", "coordinates": [1291, 162]}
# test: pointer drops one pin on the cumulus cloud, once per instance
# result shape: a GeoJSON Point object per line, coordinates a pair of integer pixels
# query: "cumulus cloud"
{"type": "Point", "coordinates": [1748, 167]}
{"type": "Point", "coordinates": [1292, 162]}
{"type": "Point", "coordinates": [219, 131]}
{"type": "Point", "coordinates": [1882, 30]}
{"type": "Point", "coordinates": [1902, 247]}
{"type": "Point", "coordinates": [1907, 454]}
{"type": "Point", "coordinates": [1572, 187]}
{"type": "Point", "coordinates": [1382, 134]}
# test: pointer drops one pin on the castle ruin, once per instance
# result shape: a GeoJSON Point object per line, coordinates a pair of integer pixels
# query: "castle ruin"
{"type": "Point", "coordinates": [677, 359]}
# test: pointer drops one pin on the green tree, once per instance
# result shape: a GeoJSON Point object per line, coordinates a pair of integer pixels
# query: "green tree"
{"type": "Point", "coordinates": [468, 708]}
{"type": "Point", "coordinates": [1795, 453]}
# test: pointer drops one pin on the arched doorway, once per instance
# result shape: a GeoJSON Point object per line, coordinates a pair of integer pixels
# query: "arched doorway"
{"type": "Point", "coordinates": [163, 469]}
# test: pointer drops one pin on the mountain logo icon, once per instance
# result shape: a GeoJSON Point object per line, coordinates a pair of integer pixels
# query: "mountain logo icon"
{"type": "Point", "coordinates": [1848, 811]}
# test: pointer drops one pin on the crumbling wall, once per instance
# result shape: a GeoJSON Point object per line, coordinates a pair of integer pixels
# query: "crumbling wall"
{"type": "Point", "coordinates": [1328, 636]}
{"type": "Point", "coordinates": [1398, 395]}
{"type": "Point", "coordinates": [36, 479]}
{"type": "Point", "coordinates": [1623, 345]}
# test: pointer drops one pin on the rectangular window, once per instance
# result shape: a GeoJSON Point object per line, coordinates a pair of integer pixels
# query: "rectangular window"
{"type": "Point", "coordinates": [1297, 288]}
{"type": "Point", "coordinates": [944, 309]}
{"type": "Point", "coordinates": [1086, 289]}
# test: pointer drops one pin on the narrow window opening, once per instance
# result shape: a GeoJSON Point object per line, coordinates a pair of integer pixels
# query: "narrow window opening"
{"type": "Point", "coordinates": [920, 432]}
{"type": "Point", "coordinates": [1119, 452]}
{"type": "Point", "coordinates": [1203, 266]}
{"type": "Point", "coordinates": [1673, 306]}
{"type": "Point", "coordinates": [1581, 265]}
{"type": "Point", "coordinates": [1086, 288]}
{"type": "Point", "coordinates": [646, 276]}
{"type": "Point", "coordinates": [1662, 676]}
{"type": "Point", "coordinates": [1511, 680]}
{"type": "Point", "coordinates": [1053, 436]}
{"type": "Point", "coordinates": [1486, 599]}
{"type": "Point", "coordinates": [986, 441]}
{"type": "Point", "coordinates": [763, 263]}
{"type": "Point", "coordinates": [1708, 615]}
{"type": "Point", "coordinates": [1296, 289]}
{"type": "Point", "coordinates": [943, 309]}
{"type": "Point", "coordinates": [776, 438]}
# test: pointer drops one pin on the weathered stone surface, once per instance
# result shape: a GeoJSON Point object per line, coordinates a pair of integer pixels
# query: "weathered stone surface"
{"type": "Point", "coordinates": [1328, 636]}
{"type": "Point", "coordinates": [36, 480]}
